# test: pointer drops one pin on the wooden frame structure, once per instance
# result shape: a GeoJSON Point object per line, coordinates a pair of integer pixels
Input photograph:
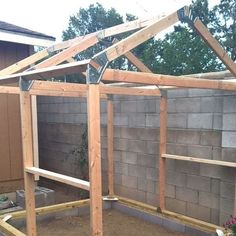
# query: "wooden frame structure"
{"type": "Point", "coordinates": [96, 73]}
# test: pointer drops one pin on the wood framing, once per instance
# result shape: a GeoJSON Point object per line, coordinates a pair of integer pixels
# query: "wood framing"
{"type": "Point", "coordinates": [94, 143]}
{"type": "Point", "coordinates": [27, 143]}
{"type": "Point", "coordinates": [162, 149]}
{"type": "Point", "coordinates": [110, 140]}
{"type": "Point", "coordinates": [9, 230]}
{"type": "Point", "coordinates": [79, 183]}
{"type": "Point", "coordinates": [200, 160]}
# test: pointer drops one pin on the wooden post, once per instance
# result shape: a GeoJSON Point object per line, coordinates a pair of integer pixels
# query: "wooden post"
{"type": "Point", "coordinates": [27, 143]}
{"type": "Point", "coordinates": [35, 132]}
{"type": "Point", "coordinates": [162, 161]}
{"type": "Point", "coordinates": [94, 143]}
{"type": "Point", "coordinates": [110, 146]}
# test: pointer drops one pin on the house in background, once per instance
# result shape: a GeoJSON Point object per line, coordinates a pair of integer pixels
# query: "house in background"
{"type": "Point", "coordinates": [16, 43]}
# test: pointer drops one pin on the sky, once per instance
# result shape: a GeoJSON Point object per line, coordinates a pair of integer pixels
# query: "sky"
{"type": "Point", "coordinates": [52, 16]}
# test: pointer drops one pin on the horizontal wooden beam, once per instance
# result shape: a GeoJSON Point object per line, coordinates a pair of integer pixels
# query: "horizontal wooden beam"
{"type": "Point", "coordinates": [59, 177]}
{"type": "Point", "coordinates": [49, 72]}
{"type": "Point", "coordinates": [198, 224]}
{"type": "Point", "coordinates": [50, 209]}
{"type": "Point", "coordinates": [9, 229]}
{"type": "Point", "coordinates": [129, 91]}
{"type": "Point", "coordinates": [200, 160]}
{"type": "Point", "coordinates": [214, 45]}
{"type": "Point", "coordinates": [9, 90]}
{"type": "Point", "coordinates": [166, 80]}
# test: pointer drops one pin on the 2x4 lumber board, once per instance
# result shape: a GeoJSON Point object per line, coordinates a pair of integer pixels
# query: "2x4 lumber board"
{"type": "Point", "coordinates": [27, 143]}
{"type": "Point", "coordinates": [49, 72]}
{"type": "Point", "coordinates": [69, 52]}
{"type": "Point", "coordinates": [110, 148]}
{"type": "Point", "coordinates": [104, 89]}
{"type": "Point", "coordinates": [9, 90]}
{"type": "Point", "coordinates": [199, 224]}
{"type": "Point", "coordinates": [139, 37]}
{"type": "Point", "coordinates": [50, 209]}
{"type": "Point", "coordinates": [94, 144]}
{"type": "Point", "coordinates": [9, 230]}
{"type": "Point", "coordinates": [35, 132]}
{"type": "Point", "coordinates": [79, 183]}
{"type": "Point", "coordinates": [215, 46]}
{"type": "Point", "coordinates": [200, 160]}
{"type": "Point", "coordinates": [166, 80]}
{"type": "Point", "coordinates": [162, 149]}
{"type": "Point", "coordinates": [135, 60]}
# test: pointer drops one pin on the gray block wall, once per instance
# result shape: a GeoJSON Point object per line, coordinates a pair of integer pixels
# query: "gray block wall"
{"type": "Point", "coordinates": [201, 123]}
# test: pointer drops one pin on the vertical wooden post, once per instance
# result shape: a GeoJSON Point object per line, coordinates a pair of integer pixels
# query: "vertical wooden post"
{"type": "Point", "coordinates": [35, 132]}
{"type": "Point", "coordinates": [27, 143]}
{"type": "Point", "coordinates": [110, 146]}
{"type": "Point", "coordinates": [162, 161]}
{"type": "Point", "coordinates": [94, 143]}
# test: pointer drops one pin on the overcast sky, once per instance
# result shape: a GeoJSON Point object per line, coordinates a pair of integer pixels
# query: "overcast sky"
{"type": "Point", "coordinates": [52, 16]}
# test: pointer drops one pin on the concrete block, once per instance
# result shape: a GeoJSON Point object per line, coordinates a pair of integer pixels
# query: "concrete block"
{"type": "Point", "coordinates": [130, 181]}
{"type": "Point", "coordinates": [229, 122]}
{"type": "Point", "coordinates": [209, 200]}
{"type": "Point", "coordinates": [121, 119]}
{"type": "Point", "coordinates": [200, 151]}
{"type": "Point", "coordinates": [187, 195]}
{"type": "Point", "coordinates": [200, 92]}
{"type": "Point", "coordinates": [177, 149]}
{"type": "Point", "coordinates": [216, 153]}
{"type": "Point", "coordinates": [177, 120]}
{"type": "Point", "coordinates": [146, 106]}
{"type": "Point", "coordinates": [138, 146]}
{"type": "Point", "coordinates": [152, 148]}
{"type": "Point", "coordinates": [211, 138]}
{"type": "Point", "coordinates": [117, 106]}
{"type": "Point", "coordinates": [137, 171]}
{"type": "Point", "coordinates": [129, 157]}
{"type": "Point", "coordinates": [147, 160]}
{"type": "Point", "coordinates": [142, 184]}
{"type": "Point", "coordinates": [215, 186]}
{"type": "Point", "coordinates": [175, 178]}
{"type": "Point", "coordinates": [136, 120]}
{"type": "Point", "coordinates": [211, 171]}
{"type": "Point", "coordinates": [217, 121]}
{"type": "Point", "coordinates": [229, 104]}
{"type": "Point", "coordinates": [152, 120]}
{"type": "Point", "coordinates": [171, 105]}
{"type": "Point", "coordinates": [211, 104]}
{"type": "Point", "coordinates": [229, 154]}
{"type": "Point", "coordinates": [200, 121]}
{"type": "Point", "coordinates": [170, 191]}
{"type": "Point", "coordinates": [198, 212]}
{"type": "Point", "coordinates": [187, 167]}
{"type": "Point", "coordinates": [176, 93]}
{"type": "Point", "coordinates": [152, 199]}
{"type": "Point", "coordinates": [199, 183]}
{"type": "Point", "coordinates": [117, 155]}
{"type": "Point", "coordinates": [176, 205]}
{"type": "Point", "coordinates": [186, 136]}
{"type": "Point", "coordinates": [229, 139]}
{"type": "Point", "coordinates": [152, 186]}
{"type": "Point", "coordinates": [226, 205]}
{"type": "Point", "coordinates": [121, 168]}
{"type": "Point", "coordinates": [215, 216]}
{"type": "Point", "coordinates": [227, 190]}
{"type": "Point", "coordinates": [188, 105]}
{"type": "Point", "coordinates": [151, 174]}
{"type": "Point", "coordinates": [120, 144]}
{"type": "Point", "coordinates": [128, 106]}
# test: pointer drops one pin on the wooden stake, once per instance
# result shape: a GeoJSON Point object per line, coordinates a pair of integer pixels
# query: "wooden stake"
{"type": "Point", "coordinates": [162, 161]}
{"type": "Point", "coordinates": [27, 143]}
{"type": "Point", "coordinates": [110, 146]}
{"type": "Point", "coordinates": [93, 104]}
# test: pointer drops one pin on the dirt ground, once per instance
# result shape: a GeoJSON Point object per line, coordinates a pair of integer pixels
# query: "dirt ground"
{"type": "Point", "coordinates": [115, 224]}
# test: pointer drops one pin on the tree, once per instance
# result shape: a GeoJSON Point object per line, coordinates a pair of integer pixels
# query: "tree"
{"type": "Point", "coordinates": [223, 20]}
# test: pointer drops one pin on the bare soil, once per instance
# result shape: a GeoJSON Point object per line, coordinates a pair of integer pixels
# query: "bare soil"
{"type": "Point", "coordinates": [115, 224]}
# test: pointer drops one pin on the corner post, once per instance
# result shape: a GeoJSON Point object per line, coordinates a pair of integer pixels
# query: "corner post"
{"type": "Point", "coordinates": [94, 143]}
{"type": "Point", "coordinates": [110, 116]}
{"type": "Point", "coordinates": [27, 144]}
{"type": "Point", "coordinates": [163, 138]}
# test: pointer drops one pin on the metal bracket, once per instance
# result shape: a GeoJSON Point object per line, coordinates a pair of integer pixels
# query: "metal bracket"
{"type": "Point", "coordinates": [94, 75]}
{"type": "Point", "coordinates": [185, 16]}
{"type": "Point", "coordinates": [163, 93]}
{"type": "Point", "coordinates": [25, 84]}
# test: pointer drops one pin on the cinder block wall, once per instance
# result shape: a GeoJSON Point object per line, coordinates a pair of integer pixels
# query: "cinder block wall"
{"type": "Point", "coordinates": [201, 123]}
